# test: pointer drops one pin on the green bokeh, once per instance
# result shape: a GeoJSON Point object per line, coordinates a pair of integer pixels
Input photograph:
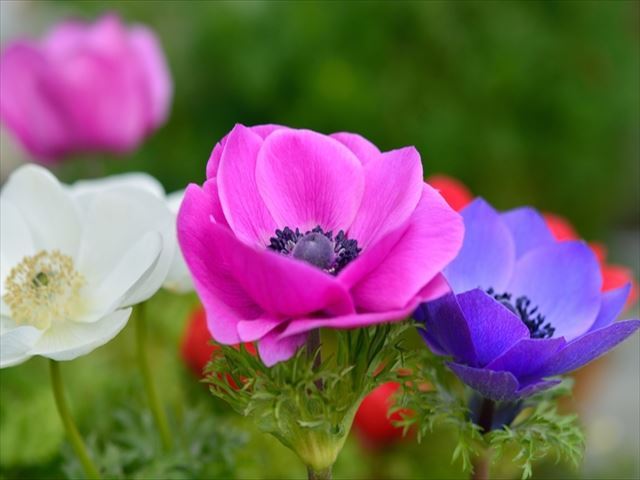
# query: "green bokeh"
{"type": "Point", "coordinates": [526, 102]}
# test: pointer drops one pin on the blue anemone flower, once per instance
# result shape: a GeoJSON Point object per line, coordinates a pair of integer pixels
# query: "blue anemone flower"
{"type": "Point", "coordinates": [523, 307]}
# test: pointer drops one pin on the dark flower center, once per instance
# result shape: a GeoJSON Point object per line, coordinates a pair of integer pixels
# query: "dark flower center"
{"type": "Point", "coordinates": [317, 247]}
{"type": "Point", "coordinates": [532, 319]}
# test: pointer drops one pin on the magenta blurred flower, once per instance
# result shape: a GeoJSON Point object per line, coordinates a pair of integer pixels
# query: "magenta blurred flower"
{"type": "Point", "coordinates": [294, 230]}
{"type": "Point", "coordinates": [83, 88]}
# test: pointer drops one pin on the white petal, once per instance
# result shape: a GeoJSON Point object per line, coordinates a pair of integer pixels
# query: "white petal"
{"type": "Point", "coordinates": [178, 279]}
{"type": "Point", "coordinates": [16, 342]}
{"type": "Point", "coordinates": [132, 269]}
{"type": "Point", "coordinates": [15, 240]}
{"type": "Point", "coordinates": [46, 207]}
{"type": "Point", "coordinates": [69, 340]}
{"type": "Point", "coordinates": [137, 180]}
{"type": "Point", "coordinates": [116, 221]}
{"type": "Point", "coordinates": [174, 200]}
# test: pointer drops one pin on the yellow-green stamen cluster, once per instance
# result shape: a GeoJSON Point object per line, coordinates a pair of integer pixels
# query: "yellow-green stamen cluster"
{"type": "Point", "coordinates": [43, 288]}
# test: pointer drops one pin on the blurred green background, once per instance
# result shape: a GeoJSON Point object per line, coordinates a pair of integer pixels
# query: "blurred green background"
{"type": "Point", "coordinates": [525, 102]}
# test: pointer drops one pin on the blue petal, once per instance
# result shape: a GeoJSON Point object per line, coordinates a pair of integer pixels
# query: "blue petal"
{"type": "Point", "coordinates": [589, 347]}
{"type": "Point", "coordinates": [499, 386]}
{"type": "Point", "coordinates": [611, 306]}
{"type": "Point", "coordinates": [528, 229]}
{"type": "Point", "coordinates": [494, 329]}
{"type": "Point", "coordinates": [488, 253]}
{"type": "Point", "coordinates": [535, 387]}
{"type": "Point", "coordinates": [527, 356]}
{"type": "Point", "coordinates": [446, 328]}
{"type": "Point", "coordinates": [563, 279]}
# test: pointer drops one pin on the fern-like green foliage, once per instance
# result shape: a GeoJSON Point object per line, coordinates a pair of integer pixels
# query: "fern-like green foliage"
{"type": "Point", "coordinates": [432, 396]}
{"type": "Point", "coordinates": [309, 405]}
{"type": "Point", "coordinates": [541, 432]}
{"type": "Point", "coordinates": [205, 446]}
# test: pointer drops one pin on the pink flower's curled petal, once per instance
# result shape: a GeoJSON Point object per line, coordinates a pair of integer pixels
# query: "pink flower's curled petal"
{"type": "Point", "coordinates": [156, 73]}
{"type": "Point", "coordinates": [252, 330]}
{"type": "Point", "coordinates": [432, 240]}
{"type": "Point", "coordinates": [307, 179]}
{"type": "Point", "coordinates": [25, 109]}
{"type": "Point", "coordinates": [243, 207]}
{"type": "Point", "coordinates": [273, 349]}
{"type": "Point", "coordinates": [210, 188]}
{"type": "Point", "coordinates": [214, 159]}
{"type": "Point", "coordinates": [369, 259]}
{"type": "Point", "coordinates": [436, 288]}
{"type": "Point", "coordinates": [267, 129]}
{"type": "Point", "coordinates": [360, 146]}
{"type": "Point", "coordinates": [224, 299]}
{"type": "Point", "coordinates": [393, 187]}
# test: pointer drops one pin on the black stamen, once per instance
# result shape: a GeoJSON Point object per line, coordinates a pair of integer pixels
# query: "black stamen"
{"type": "Point", "coordinates": [533, 320]}
{"type": "Point", "coordinates": [345, 249]}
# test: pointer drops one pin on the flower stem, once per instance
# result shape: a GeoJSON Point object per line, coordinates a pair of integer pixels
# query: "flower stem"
{"type": "Point", "coordinates": [152, 395]}
{"type": "Point", "coordinates": [485, 422]}
{"type": "Point", "coordinates": [481, 467]}
{"type": "Point", "coordinates": [77, 444]}
{"type": "Point", "coordinates": [319, 475]}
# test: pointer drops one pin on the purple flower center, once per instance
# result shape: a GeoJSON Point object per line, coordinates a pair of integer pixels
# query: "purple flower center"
{"type": "Point", "coordinates": [532, 319]}
{"type": "Point", "coordinates": [317, 247]}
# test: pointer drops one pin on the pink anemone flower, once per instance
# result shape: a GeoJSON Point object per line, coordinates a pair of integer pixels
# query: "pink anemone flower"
{"type": "Point", "coordinates": [294, 230]}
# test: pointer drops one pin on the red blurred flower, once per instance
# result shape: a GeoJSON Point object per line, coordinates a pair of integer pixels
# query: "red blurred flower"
{"type": "Point", "coordinates": [196, 346]}
{"type": "Point", "coordinates": [454, 191]}
{"type": "Point", "coordinates": [371, 422]}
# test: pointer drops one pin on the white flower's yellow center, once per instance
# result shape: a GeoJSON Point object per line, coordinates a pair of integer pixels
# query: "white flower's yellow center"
{"type": "Point", "coordinates": [43, 288]}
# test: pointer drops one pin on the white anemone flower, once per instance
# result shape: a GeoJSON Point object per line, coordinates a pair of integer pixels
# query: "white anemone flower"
{"type": "Point", "coordinates": [72, 265]}
{"type": "Point", "coordinates": [178, 278]}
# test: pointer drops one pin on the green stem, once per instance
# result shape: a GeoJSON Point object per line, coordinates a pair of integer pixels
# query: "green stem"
{"type": "Point", "coordinates": [319, 475]}
{"type": "Point", "coordinates": [485, 421]}
{"type": "Point", "coordinates": [78, 445]}
{"type": "Point", "coordinates": [152, 395]}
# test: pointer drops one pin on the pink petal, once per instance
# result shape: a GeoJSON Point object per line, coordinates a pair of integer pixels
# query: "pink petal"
{"type": "Point", "coordinates": [252, 330]}
{"type": "Point", "coordinates": [360, 146]}
{"type": "Point", "coordinates": [214, 160]}
{"type": "Point", "coordinates": [243, 207]}
{"type": "Point", "coordinates": [273, 349]}
{"type": "Point", "coordinates": [155, 71]}
{"type": "Point", "coordinates": [282, 286]}
{"type": "Point", "coordinates": [25, 109]}
{"type": "Point", "coordinates": [393, 187]}
{"type": "Point", "coordinates": [210, 188]}
{"type": "Point", "coordinates": [308, 179]}
{"type": "Point", "coordinates": [432, 240]}
{"type": "Point", "coordinates": [224, 299]}
{"type": "Point", "coordinates": [435, 289]}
